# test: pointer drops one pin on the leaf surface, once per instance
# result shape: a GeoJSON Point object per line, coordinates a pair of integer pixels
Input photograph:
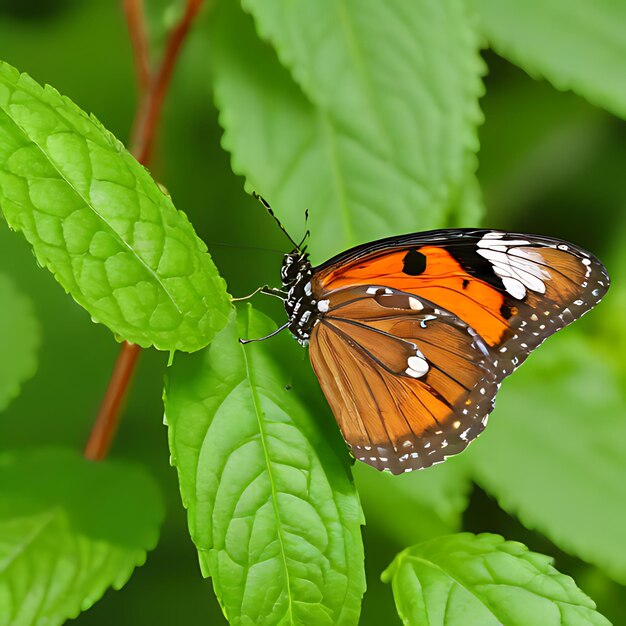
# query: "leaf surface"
{"type": "Point", "coordinates": [272, 508]}
{"type": "Point", "coordinates": [100, 224]}
{"type": "Point", "coordinates": [575, 44]}
{"type": "Point", "coordinates": [19, 340]}
{"type": "Point", "coordinates": [379, 133]}
{"type": "Point", "coordinates": [69, 529]}
{"type": "Point", "coordinates": [553, 452]}
{"type": "Point", "coordinates": [482, 580]}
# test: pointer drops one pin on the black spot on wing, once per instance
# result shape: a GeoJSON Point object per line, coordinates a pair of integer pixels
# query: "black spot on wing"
{"type": "Point", "coordinates": [466, 254]}
{"type": "Point", "coordinates": [508, 311]}
{"type": "Point", "coordinates": [414, 263]}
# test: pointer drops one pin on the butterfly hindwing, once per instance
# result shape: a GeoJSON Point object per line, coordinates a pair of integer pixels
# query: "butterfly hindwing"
{"type": "Point", "coordinates": [408, 382]}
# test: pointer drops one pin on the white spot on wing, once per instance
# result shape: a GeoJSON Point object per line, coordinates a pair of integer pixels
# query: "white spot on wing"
{"type": "Point", "coordinates": [514, 287]}
{"type": "Point", "coordinates": [415, 304]}
{"type": "Point", "coordinates": [417, 366]}
{"type": "Point", "coordinates": [323, 306]}
{"type": "Point", "coordinates": [520, 269]}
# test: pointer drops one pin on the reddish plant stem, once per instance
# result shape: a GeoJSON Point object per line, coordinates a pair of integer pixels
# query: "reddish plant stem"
{"type": "Point", "coordinates": [138, 32]}
{"type": "Point", "coordinates": [105, 426]}
{"type": "Point", "coordinates": [152, 92]}
{"type": "Point", "coordinates": [150, 109]}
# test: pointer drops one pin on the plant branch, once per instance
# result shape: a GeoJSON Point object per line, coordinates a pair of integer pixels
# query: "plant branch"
{"type": "Point", "coordinates": [150, 109]}
{"type": "Point", "coordinates": [152, 92]}
{"type": "Point", "coordinates": [105, 426]}
{"type": "Point", "coordinates": [138, 32]}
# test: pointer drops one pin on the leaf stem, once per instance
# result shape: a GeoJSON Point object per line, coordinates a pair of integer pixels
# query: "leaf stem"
{"type": "Point", "coordinates": [152, 91]}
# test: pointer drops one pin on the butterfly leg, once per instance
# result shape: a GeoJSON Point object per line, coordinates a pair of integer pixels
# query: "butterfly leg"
{"type": "Point", "coordinates": [268, 291]}
{"type": "Point", "coordinates": [245, 341]}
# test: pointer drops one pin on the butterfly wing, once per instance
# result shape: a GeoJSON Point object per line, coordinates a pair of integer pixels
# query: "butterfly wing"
{"type": "Point", "coordinates": [513, 289]}
{"type": "Point", "coordinates": [409, 383]}
{"type": "Point", "coordinates": [419, 331]}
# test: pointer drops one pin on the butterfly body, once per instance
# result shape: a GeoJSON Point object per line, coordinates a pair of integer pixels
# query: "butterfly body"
{"type": "Point", "coordinates": [411, 336]}
{"type": "Point", "coordinates": [300, 304]}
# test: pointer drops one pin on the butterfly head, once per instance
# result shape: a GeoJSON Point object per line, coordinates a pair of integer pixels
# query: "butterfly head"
{"type": "Point", "coordinates": [295, 265]}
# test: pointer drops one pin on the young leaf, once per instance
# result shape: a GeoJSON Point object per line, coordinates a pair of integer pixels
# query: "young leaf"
{"type": "Point", "coordinates": [69, 529]}
{"type": "Point", "coordinates": [272, 509]}
{"type": "Point", "coordinates": [381, 140]}
{"type": "Point", "coordinates": [575, 45]}
{"type": "Point", "coordinates": [100, 224]}
{"type": "Point", "coordinates": [553, 453]}
{"type": "Point", "coordinates": [482, 580]}
{"type": "Point", "coordinates": [19, 340]}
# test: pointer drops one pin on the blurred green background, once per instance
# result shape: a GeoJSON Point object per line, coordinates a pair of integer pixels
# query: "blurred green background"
{"type": "Point", "coordinates": [549, 163]}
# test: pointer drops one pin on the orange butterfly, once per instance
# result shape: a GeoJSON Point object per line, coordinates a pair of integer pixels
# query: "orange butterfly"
{"type": "Point", "coordinates": [410, 337]}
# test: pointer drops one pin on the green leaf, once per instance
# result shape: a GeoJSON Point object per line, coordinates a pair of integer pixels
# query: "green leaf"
{"type": "Point", "coordinates": [553, 453]}
{"type": "Point", "coordinates": [434, 500]}
{"type": "Point", "coordinates": [575, 45]}
{"type": "Point", "coordinates": [381, 137]}
{"type": "Point", "coordinates": [272, 509]}
{"type": "Point", "coordinates": [467, 580]}
{"type": "Point", "coordinates": [19, 340]}
{"type": "Point", "coordinates": [100, 224]}
{"type": "Point", "coordinates": [69, 529]}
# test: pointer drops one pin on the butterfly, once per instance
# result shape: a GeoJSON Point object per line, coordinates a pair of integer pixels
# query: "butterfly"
{"type": "Point", "coordinates": [411, 336]}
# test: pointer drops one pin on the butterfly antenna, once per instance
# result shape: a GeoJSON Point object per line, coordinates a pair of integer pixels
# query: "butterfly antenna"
{"type": "Point", "coordinates": [245, 341]}
{"type": "Point", "coordinates": [264, 202]}
{"type": "Point", "coordinates": [307, 234]}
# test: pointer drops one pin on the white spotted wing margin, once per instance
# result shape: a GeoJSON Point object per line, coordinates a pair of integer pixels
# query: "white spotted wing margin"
{"type": "Point", "coordinates": [410, 384]}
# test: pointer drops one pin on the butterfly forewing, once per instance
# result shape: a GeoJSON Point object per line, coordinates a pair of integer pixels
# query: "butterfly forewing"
{"type": "Point", "coordinates": [408, 382]}
{"type": "Point", "coordinates": [515, 290]}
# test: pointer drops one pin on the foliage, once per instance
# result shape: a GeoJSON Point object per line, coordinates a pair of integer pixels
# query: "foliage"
{"type": "Point", "coordinates": [345, 152]}
{"type": "Point", "coordinates": [369, 117]}
{"type": "Point", "coordinates": [564, 42]}
{"type": "Point", "coordinates": [68, 530]}
{"type": "Point", "coordinates": [470, 579]}
{"type": "Point", "coordinates": [575, 454]}
{"type": "Point", "coordinates": [19, 337]}
{"type": "Point", "coordinates": [98, 221]}
{"type": "Point", "coordinates": [272, 510]}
